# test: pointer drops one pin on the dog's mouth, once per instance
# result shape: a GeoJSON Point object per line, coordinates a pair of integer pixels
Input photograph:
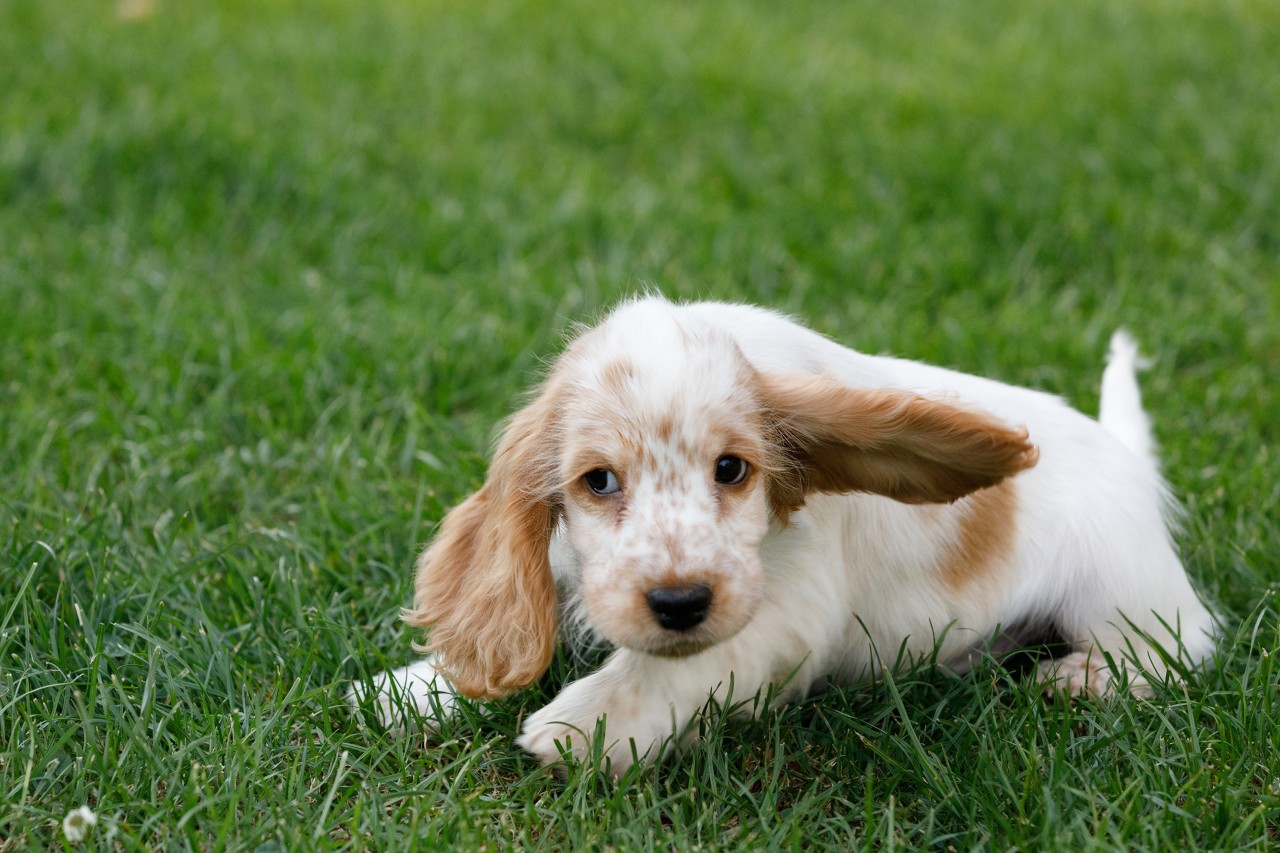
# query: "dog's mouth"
{"type": "Point", "coordinates": [681, 647]}
{"type": "Point", "coordinates": [683, 644]}
{"type": "Point", "coordinates": [661, 643]}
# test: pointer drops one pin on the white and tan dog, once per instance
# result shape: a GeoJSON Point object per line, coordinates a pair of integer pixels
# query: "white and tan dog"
{"type": "Point", "coordinates": [726, 497]}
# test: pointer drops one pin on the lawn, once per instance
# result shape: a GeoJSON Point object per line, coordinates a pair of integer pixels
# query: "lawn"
{"type": "Point", "coordinates": [271, 273]}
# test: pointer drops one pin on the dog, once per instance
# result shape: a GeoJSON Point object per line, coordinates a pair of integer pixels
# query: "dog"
{"type": "Point", "coordinates": [735, 503]}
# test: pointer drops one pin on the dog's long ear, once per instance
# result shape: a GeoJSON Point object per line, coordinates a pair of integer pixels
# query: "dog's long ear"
{"type": "Point", "coordinates": [831, 438]}
{"type": "Point", "coordinates": [484, 587]}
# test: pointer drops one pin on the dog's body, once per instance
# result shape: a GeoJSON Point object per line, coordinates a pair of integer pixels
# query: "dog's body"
{"type": "Point", "coordinates": [729, 499]}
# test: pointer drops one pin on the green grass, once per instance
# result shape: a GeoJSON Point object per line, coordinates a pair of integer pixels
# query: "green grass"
{"type": "Point", "coordinates": [271, 272]}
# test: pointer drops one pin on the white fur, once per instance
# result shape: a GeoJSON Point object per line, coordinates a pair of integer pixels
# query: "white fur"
{"type": "Point", "coordinates": [852, 578]}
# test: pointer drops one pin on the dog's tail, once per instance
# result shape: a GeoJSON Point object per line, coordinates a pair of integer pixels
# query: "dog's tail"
{"type": "Point", "coordinates": [1120, 409]}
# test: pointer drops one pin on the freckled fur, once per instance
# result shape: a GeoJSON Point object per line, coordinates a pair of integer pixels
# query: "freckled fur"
{"type": "Point", "coordinates": [616, 374]}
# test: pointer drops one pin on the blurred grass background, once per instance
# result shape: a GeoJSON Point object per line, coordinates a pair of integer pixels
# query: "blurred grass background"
{"type": "Point", "coordinates": [271, 272]}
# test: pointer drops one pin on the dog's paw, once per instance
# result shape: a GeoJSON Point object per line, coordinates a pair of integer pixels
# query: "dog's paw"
{"type": "Point", "coordinates": [552, 741]}
{"type": "Point", "coordinates": [612, 736]}
{"type": "Point", "coordinates": [1088, 674]}
{"type": "Point", "coordinates": [406, 698]}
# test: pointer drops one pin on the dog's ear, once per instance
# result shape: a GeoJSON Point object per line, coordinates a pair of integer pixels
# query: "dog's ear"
{"type": "Point", "coordinates": [832, 438]}
{"type": "Point", "coordinates": [484, 587]}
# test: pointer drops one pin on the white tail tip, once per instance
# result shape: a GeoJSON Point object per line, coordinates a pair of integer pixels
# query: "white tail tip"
{"type": "Point", "coordinates": [1120, 409]}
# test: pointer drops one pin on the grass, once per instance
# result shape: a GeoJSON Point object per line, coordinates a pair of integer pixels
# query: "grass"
{"type": "Point", "coordinates": [272, 271]}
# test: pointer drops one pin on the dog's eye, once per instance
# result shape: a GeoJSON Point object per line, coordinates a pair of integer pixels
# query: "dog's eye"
{"type": "Point", "coordinates": [730, 470]}
{"type": "Point", "coordinates": [602, 481]}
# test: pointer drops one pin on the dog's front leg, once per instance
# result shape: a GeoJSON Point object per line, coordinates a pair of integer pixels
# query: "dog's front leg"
{"type": "Point", "coordinates": [640, 705]}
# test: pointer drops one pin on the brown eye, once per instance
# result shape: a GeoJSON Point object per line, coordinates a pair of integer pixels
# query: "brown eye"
{"type": "Point", "coordinates": [730, 470]}
{"type": "Point", "coordinates": [601, 481]}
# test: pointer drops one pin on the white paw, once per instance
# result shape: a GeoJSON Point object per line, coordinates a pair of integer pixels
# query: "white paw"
{"type": "Point", "coordinates": [544, 737]}
{"type": "Point", "coordinates": [627, 731]}
{"type": "Point", "coordinates": [1085, 674]}
{"type": "Point", "coordinates": [408, 697]}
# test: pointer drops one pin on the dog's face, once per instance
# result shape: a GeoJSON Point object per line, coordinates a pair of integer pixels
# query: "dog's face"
{"type": "Point", "coordinates": [664, 463]}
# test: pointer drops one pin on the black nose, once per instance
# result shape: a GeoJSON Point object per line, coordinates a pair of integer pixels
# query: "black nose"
{"type": "Point", "coordinates": [680, 608]}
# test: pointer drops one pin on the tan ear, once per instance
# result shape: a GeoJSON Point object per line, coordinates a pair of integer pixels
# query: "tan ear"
{"type": "Point", "coordinates": [484, 586]}
{"type": "Point", "coordinates": [914, 449]}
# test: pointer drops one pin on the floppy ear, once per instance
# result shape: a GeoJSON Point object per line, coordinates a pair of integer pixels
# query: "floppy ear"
{"type": "Point", "coordinates": [914, 449]}
{"type": "Point", "coordinates": [484, 586]}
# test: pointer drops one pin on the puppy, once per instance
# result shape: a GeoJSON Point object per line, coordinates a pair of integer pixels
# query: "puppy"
{"type": "Point", "coordinates": [725, 497]}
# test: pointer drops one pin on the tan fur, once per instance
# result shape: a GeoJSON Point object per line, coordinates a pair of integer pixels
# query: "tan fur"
{"type": "Point", "coordinates": [834, 439]}
{"type": "Point", "coordinates": [484, 587]}
{"type": "Point", "coordinates": [616, 374]}
{"type": "Point", "coordinates": [986, 535]}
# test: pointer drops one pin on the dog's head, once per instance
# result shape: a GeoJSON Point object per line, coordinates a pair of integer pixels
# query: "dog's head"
{"type": "Point", "coordinates": [667, 455]}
